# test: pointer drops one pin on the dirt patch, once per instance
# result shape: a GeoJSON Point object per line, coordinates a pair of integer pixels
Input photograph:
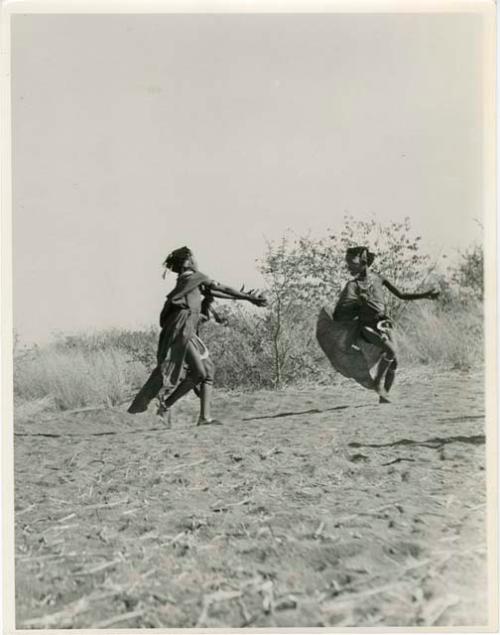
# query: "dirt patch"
{"type": "Point", "coordinates": [313, 507]}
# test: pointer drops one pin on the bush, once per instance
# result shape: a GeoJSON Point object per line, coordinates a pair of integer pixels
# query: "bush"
{"type": "Point", "coordinates": [239, 350]}
{"type": "Point", "coordinates": [245, 355]}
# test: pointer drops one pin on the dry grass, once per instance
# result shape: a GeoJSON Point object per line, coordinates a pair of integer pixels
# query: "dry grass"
{"type": "Point", "coordinates": [453, 338]}
{"type": "Point", "coordinates": [74, 378]}
{"type": "Point", "coordinates": [313, 507]}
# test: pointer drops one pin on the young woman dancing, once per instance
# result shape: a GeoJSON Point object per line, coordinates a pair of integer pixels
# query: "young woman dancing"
{"type": "Point", "coordinates": [362, 299]}
{"type": "Point", "coordinates": [183, 362]}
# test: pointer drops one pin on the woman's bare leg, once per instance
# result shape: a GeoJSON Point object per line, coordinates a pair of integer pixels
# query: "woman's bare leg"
{"type": "Point", "coordinates": [205, 401]}
{"type": "Point", "coordinates": [387, 365]}
{"type": "Point", "coordinates": [194, 376]}
{"type": "Point", "coordinates": [390, 375]}
{"type": "Point", "coordinates": [199, 373]}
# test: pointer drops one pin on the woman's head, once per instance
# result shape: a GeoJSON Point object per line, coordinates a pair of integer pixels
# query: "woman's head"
{"type": "Point", "coordinates": [180, 260]}
{"type": "Point", "coordinates": [358, 259]}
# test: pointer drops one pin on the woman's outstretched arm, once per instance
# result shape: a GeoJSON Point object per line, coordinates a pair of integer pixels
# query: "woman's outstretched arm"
{"type": "Point", "coordinates": [225, 292]}
{"type": "Point", "coordinates": [425, 295]}
{"type": "Point", "coordinates": [219, 294]}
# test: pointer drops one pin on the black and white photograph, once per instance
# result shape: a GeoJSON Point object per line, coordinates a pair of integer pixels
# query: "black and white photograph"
{"type": "Point", "coordinates": [248, 293]}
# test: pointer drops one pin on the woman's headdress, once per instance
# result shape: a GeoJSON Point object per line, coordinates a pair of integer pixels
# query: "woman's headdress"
{"type": "Point", "coordinates": [176, 259]}
{"type": "Point", "coordinates": [364, 254]}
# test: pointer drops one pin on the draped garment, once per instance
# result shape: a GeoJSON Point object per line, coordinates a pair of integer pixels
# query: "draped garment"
{"type": "Point", "coordinates": [179, 321]}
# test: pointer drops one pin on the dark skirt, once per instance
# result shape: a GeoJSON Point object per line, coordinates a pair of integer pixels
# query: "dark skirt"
{"type": "Point", "coordinates": [179, 328]}
{"type": "Point", "coordinates": [345, 348]}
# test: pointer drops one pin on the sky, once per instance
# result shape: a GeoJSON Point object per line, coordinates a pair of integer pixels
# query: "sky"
{"type": "Point", "coordinates": [135, 134]}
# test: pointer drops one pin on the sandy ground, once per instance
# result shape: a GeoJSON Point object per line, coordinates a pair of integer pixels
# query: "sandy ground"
{"type": "Point", "coordinates": [313, 507]}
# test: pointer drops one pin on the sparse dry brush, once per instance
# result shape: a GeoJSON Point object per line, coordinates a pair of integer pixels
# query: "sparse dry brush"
{"type": "Point", "coordinates": [277, 347]}
{"type": "Point", "coordinates": [74, 378]}
{"type": "Point", "coordinates": [447, 338]}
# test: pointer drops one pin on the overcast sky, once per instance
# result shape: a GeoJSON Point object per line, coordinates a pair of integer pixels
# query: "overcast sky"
{"type": "Point", "coordinates": [133, 135]}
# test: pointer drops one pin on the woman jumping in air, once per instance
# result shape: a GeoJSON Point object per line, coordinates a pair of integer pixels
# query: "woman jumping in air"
{"type": "Point", "coordinates": [362, 301]}
{"type": "Point", "coordinates": [183, 362]}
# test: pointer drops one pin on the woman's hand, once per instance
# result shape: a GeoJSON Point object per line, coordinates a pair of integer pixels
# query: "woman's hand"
{"type": "Point", "coordinates": [258, 300]}
{"type": "Point", "coordinates": [433, 294]}
{"type": "Point", "coordinates": [363, 297]}
{"type": "Point", "coordinates": [254, 296]}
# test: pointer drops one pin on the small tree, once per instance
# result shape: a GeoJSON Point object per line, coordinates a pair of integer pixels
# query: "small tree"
{"type": "Point", "coordinates": [285, 290]}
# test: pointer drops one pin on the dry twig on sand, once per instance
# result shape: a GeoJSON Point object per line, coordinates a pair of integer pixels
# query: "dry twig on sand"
{"type": "Point", "coordinates": [435, 608]}
{"type": "Point", "coordinates": [182, 467]}
{"type": "Point", "coordinates": [267, 590]}
{"type": "Point", "coordinates": [119, 618]}
{"type": "Point", "coordinates": [208, 600]}
{"type": "Point", "coordinates": [65, 617]}
{"type": "Point", "coordinates": [100, 567]}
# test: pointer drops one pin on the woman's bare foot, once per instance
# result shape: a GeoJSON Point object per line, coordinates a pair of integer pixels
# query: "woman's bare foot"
{"type": "Point", "coordinates": [209, 422]}
{"type": "Point", "coordinates": [165, 414]}
{"type": "Point", "coordinates": [383, 396]}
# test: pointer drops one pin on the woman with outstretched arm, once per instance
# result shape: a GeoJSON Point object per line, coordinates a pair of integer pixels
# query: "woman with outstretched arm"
{"type": "Point", "coordinates": [363, 299]}
{"type": "Point", "coordinates": [183, 362]}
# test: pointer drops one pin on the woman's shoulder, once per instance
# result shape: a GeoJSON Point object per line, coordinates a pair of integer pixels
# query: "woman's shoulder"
{"type": "Point", "coordinates": [198, 278]}
{"type": "Point", "coordinates": [376, 275]}
{"type": "Point", "coordinates": [205, 279]}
